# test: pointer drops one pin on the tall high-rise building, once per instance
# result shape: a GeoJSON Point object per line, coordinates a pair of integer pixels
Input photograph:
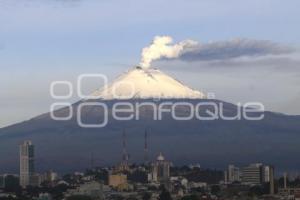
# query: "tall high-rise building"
{"type": "Point", "coordinates": [285, 177]}
{"type": "Point", "coordinates": [233, 174]}
{"type": "Point", "coordinates": [253, 174]}
{"type": "Point", "coordinates": [2, 181]}
{"type": "Point", "coordinates": [146, 148]}
{"type": "Point", "coordinates": [26, 163]}
{"type": "Point", "coordinates": [160, 170]}
{"type": "Point", "coordinates": [268, 177]}
{"type": "Point", "coordinates": [266, 173]}
{"type": "Point", "coordinates": [271, 180]}
{"type": "Point", "coordinates": [226, 181]}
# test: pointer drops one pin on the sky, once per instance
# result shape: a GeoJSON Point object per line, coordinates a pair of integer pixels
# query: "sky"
{"type": "Point", "coordinates": [48, 40]}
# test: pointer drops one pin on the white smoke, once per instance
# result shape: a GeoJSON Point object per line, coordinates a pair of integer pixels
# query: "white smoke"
{"type": "Point", "coordinates": [162, 47]}
{"type": "Point", "coordinates": [189, 50]}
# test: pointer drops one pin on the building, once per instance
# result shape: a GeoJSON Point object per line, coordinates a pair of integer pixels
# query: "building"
{"type": "Point", "coordinates": [285, 178]}
{"type": "Point", "coordinates": [160, 170]}
{"type": "Point", "coordinates": [36, 179]}
{"type": "Point", "coordinates": [44, 196]}
{"type": "Point", "coordinates": [252, 174]}
{"type": "Point", "coordinates": [26, 163]}
{"type": "Point", "coordinates": [266, 173]}
{"type": "Point", "coordinates": [2, 181]}
{"type": "Point", "coordinates": [9, 179]}
{"type": "Point", "coordinates": [233, 174]}
{"type": "Point", "coordinates": [268, 176]}
{"type": "Point", "coordinates": [226, 177]}
{"type": "Point", "coordinates": [289, 193]}
{"type": "Point", "coordinates": [92, 189]}
{"type": "Point", "coordinates": [117, 180]}
{"type": "Point", "coordinates": [49, 176]}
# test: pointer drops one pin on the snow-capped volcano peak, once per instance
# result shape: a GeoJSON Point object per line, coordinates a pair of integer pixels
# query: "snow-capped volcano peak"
{"type": "Point", "coordinates": [140, 83]}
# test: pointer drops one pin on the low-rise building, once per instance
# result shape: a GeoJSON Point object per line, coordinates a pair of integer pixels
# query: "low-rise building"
{"type": "Point", "coordinates": [289, 193]}
{"type": "Point", "coordinates": [8, 178]}
{"type": "Point", "coordinates": [117, 180]}
{"type": "Point", "coordinates": [45, 196]}
{"type": "Point", "coordinates": [92, 189]}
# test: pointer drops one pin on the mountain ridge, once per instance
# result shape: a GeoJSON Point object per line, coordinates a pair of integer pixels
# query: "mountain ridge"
{"type": "Point", "coordinates": [64, 145]}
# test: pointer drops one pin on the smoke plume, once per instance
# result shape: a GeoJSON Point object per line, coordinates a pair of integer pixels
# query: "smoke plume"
{"type": "Point", "coordinates": [190, 50]}
{"type": "Point", "coordinates": [162, 47]}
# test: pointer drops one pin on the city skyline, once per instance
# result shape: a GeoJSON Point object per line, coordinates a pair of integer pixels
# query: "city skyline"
{"type": "Point", "coordinates": [149, 100]}
{"type": "Point", "coordinates": [159, 175]}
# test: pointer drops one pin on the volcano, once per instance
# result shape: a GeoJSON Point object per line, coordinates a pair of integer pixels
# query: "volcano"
{"type": "Point", "coordinates": [64, 145]}
{"type": "Point", "coordinates": [140, 83]}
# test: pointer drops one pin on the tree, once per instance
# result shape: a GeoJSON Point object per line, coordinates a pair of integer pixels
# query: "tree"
{"type": "Point", "coordinates": [215, 189]}
{"type": "Point", "coordinates": [255, 191]}
{"type": "Point", "coordinates": [79, 197]}
{"type": "Point", "coordinates": [12, 185]}
{"type": "Point", "coordinates": [132, 198]}
{"type": "Point", "coordinates": [164, 195]}
{"type": "Point", "coordinates": [58, 191]}
{"type": "Point", "coordinates": [190, 197]}
{"type": "Point", "coordinates": [146, 196]}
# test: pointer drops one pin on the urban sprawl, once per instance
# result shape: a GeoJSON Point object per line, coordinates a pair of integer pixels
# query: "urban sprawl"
{"type": "Point", "coordinates": [151, 180]}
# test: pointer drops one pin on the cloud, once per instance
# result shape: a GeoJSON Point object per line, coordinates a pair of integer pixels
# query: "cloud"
{"type": "Point", "coordinates": [225, 50]}
{"type": "Point", "coordinates": [34, 3]}
{"type": "Point", "coordinates": [2, 46]}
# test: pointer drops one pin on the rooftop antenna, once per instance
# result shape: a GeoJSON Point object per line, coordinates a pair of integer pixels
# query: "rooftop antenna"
{"type": "Point", "coordinates": [146, 147]}
{"type": "Point", "coordinates": [125, 154]}
{"type": "Point", "coordinates": [92, 160]}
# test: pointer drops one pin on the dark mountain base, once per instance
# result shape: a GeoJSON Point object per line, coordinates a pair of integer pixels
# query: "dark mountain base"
{"type": "Point", "coordinates": [64, 146]}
